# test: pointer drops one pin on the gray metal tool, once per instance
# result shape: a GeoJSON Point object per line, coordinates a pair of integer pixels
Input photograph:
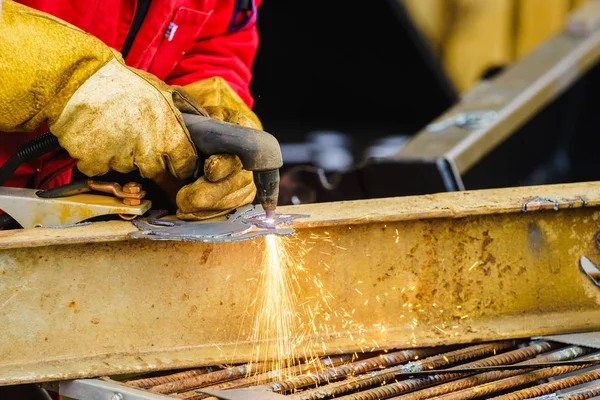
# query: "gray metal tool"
{"type": "Point", "coordinates": [245, 223]}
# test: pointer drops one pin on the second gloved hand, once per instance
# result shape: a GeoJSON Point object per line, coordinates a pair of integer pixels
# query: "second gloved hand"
{"type": "Point", "coordinates": [224, 187]}
{"type": "Point", "coordinates": [222, 103]}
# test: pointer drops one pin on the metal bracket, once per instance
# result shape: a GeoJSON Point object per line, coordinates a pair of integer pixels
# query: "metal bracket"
{"type": "Point", "coordinates": [590, 269]}
{"type": "Point", "coordinates": [245, 223]}
{"type": "Point", "coordinates": [97, 389]}
{"type": "Point", "coordinates": [243, 394]}
{"type": "Point", "coordinates": [32, 211]}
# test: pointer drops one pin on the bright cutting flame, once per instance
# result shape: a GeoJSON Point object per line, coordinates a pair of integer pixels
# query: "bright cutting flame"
{"type": "Point", "coordinates": [286, 330]}
{"type": "Point", "coordinates": [269, 221]}
{"type": "Point", "coordinates": [275, 321]}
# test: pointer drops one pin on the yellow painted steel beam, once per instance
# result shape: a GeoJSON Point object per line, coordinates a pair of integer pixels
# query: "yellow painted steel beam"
{"type": "Point", "coordinates": [471, 36]}
{"type": "Point", "coordinates": [432, 270]}
{"type": "Point", "coordinates": [512, 99]}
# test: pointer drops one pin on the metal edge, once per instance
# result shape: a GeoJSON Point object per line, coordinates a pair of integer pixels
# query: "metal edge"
{"type": "Point", "coordinates": [92, 389]}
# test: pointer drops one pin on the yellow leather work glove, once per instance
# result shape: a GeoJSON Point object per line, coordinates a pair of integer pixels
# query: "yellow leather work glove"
{"type": "Point", "coordinates": [224, 171]}
{"type": "Point", "coordinates": [222, 102]}
{"type": "Point", "coordinates": [204, 198]}
{"type": "Point", "coordinates": [106, 115]}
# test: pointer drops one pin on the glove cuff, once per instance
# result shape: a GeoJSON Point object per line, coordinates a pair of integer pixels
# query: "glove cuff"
{"type": "Point", "coordinates": [222, 102]}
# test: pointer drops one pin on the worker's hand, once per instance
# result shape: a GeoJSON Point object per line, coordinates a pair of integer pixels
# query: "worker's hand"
{"type": "Point", "coordinates": [122, 118]}
{"type": "Point", "coordinates": [109, 116]}
{"type": "Point", "coordinates": [106, 115]}
{"type": "Point", "coordinates": [222, 103]}
{"type": "Point", "coordinates": [148, 110]}
{"type": "Point", "coordinates": [224, 187]}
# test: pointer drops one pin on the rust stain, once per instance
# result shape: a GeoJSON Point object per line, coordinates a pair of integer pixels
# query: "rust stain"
{"type": "Point", "coordinates": [73, 305]}
{"type": "Point", "coordinates": [487, 240]}
{"type": "Point", "coordinates": [205, 253]}
{"type": "Point", "coordinates": [193, 309]}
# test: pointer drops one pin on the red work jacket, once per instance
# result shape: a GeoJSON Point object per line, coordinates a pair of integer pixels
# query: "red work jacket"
{"type": "Point", "coordinates": [180, 41]}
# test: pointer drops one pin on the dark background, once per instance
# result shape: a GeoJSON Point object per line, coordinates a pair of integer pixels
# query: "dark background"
{"type": "Point", "coordinates": [366, 73]}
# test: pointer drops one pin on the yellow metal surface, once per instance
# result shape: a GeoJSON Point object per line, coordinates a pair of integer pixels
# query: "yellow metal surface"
{"type": "Point", "coordinates": [471, 36]}
{"type": "Point", "coordinates": [31, 211]}
{"type": "Point", "coordinates": [430, 270]}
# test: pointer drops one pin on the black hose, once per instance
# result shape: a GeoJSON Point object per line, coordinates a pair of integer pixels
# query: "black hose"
{"type": "Point", "coordinates": [70, 189]}
{"type": "Point", "coordinates": [5, 220]}
{"type": "Point", "coordinates": [27, 151]}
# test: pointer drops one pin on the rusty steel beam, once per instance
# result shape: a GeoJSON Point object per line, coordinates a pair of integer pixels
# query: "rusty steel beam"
{"type": "Point", "coordinates": [427, 271]}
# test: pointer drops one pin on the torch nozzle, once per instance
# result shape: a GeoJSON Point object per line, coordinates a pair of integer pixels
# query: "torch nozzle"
{"type": "Point", "coordinates": [267, 187]}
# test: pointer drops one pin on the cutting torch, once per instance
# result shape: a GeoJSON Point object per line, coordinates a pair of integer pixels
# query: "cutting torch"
{"type": "Point", "coordinates": [259, 152]}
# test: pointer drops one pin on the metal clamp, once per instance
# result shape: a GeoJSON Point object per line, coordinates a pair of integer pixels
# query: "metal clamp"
{"type": "Point", "coordinates": [31, 210]}
{"type": "Point", "coordinates": [131, 193]}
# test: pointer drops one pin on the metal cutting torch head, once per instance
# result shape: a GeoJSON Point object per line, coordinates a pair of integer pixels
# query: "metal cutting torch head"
{"type": "Point", "coordinates": [267, 189]}
{"type": "Point", "coordinates": [259, 152]}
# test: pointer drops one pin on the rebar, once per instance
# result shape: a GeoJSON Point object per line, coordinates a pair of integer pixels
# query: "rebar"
{"type": "Point", "coordinates": [410, 385]}
{"type": "Point", "coordinates": [358, 367]}
{"type": "Point", "coordinates": [265, 377]}
{"type": "Point", "coordinates": [511, 382]}
{"type": "Point", "coordinates": [160, 380]}
{"type": "Point", "coordinates": [506, 358]}
{"type": "Point", "coordinates": [587, 392]}
{"type": "Point", "coordinates": [388, 374]}
{"type": "Point", "coordinates": [206, 379]}
{"type": "Point", "coordinates": [553, 386]}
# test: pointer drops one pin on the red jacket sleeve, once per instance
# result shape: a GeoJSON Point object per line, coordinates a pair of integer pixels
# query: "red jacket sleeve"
{"type": "Point", "coordinates": [226, 48]}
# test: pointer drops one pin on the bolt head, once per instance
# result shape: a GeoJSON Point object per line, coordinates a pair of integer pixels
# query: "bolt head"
{"type": "Point", "coordinates": [132, 202]}
{"type": "Point", "coordinates": [132, 187]}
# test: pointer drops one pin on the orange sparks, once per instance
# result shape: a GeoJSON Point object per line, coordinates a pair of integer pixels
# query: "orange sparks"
{"type": "Point", "coordinates": [441, 330]}
{"type": "Point", "coordinates": [476, 263]}
{"type": "Point", "coordinates": [292, 312]}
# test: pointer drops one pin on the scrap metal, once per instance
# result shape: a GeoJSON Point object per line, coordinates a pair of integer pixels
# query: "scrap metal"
{"type": "Point", "coordinates": [247, 222]}
{"type": "Point", "coordinates": [442, 384]}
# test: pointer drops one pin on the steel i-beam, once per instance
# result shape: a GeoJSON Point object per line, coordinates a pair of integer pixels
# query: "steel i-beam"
{"type": "Point", "coordinates": [426, 271]}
